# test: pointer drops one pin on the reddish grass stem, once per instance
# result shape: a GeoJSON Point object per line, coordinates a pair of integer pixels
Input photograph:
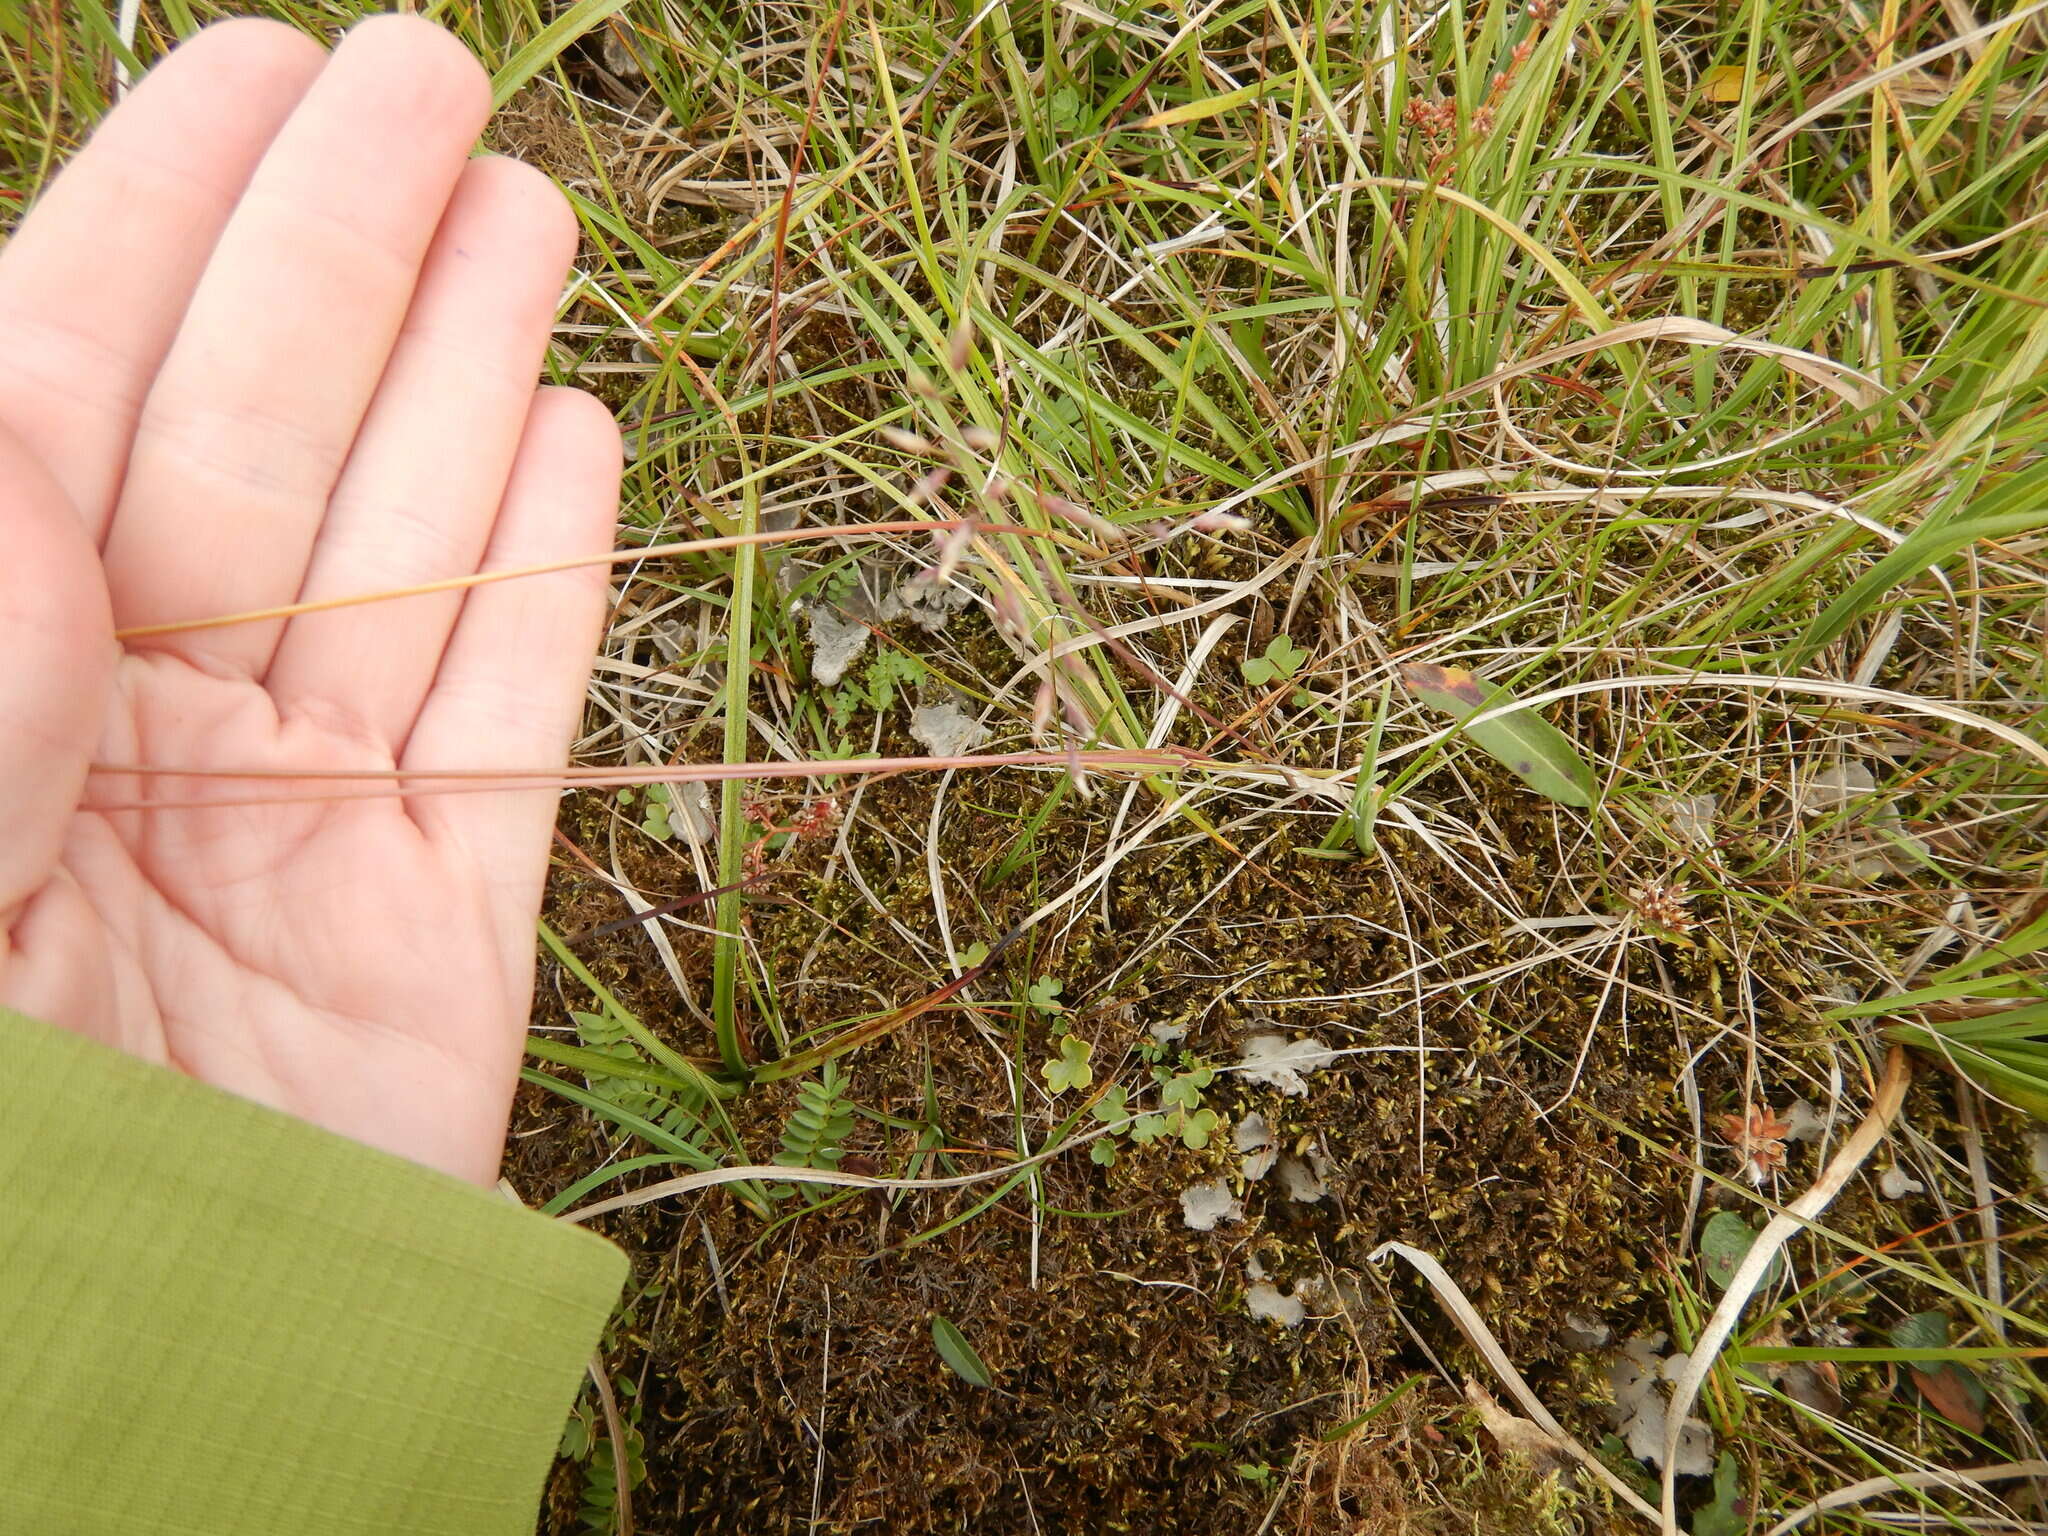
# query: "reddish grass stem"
{"type": "Point", "coordinates": [410, 782]}
{"type": "Point", "coordinates": [609, 557]}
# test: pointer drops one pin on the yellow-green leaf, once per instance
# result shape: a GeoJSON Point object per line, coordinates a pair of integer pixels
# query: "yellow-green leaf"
{"type": "Point", "coordinates": [1208, 106]}
{"type": "Point", "coordinates": [1533, 749]}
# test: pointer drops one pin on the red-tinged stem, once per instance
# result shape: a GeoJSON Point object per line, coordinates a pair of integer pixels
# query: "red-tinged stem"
{"type": "Point", "coordinates": [408, 783]}
{"type": "Point", "coordinates": [609, 557]}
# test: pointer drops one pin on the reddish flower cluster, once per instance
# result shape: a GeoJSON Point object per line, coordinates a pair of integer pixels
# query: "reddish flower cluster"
{"type": "Point", "coordinates": [1436, 119]}
{"type": "Point", "coordinates": [1759, 1138]}
{"type": "Point", "coordinates": [1662, 905]}
{"type": "Point", "coordinates": [814, 818]}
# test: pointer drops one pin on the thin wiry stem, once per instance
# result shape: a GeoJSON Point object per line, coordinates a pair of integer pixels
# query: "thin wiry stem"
{"type": "Point", "coordinates": [444, 781]}
{"type": "Point", "coordinates": [610, 557]}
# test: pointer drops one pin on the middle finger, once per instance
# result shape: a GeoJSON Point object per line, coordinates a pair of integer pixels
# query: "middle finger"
{"type": "Point", "coordinates": [252, 415]}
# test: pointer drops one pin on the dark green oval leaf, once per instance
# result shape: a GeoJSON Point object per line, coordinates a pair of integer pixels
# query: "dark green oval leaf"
{"type": "Point", "coordinates": [1724, 1242]}
{"type": "Point", "coordinates": [958, 1354]}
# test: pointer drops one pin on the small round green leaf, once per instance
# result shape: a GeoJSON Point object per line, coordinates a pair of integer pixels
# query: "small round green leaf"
{"type": "Point", "coordinates": [1724, 1241]}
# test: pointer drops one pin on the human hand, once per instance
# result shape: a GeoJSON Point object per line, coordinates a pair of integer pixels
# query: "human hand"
{"type": "Point", "coordinates": [273, 337]}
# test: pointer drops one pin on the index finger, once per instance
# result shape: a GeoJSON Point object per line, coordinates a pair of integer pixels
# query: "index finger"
{"type": "Point", "coordinates": [95, 282]}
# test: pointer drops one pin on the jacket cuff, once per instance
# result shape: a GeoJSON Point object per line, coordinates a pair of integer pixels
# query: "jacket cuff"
{"type": "Point", "coordinates": [217, 1319]}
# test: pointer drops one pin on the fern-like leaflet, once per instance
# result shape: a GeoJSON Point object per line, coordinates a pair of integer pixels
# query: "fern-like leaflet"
{"type": "Point", "coordinates": [820, 1123]}
{"type": "Point", "coordinates": [670, 1110]}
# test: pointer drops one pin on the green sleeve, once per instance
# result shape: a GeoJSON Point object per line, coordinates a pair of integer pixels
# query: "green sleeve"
{"type": "Point", "coordinates": [218, 1320]}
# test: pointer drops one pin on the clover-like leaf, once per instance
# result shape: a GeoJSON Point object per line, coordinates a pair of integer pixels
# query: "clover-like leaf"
{"type": "Point", "coordinates": [1182, 1092]}
{"type": "Point", "coordinates": [1070, 1068]}
{"type": "Point", "coordinates": [1044, 994]}
{"type": "Point", "coordinates": [1282, 659]}
{"type": "Point", "coordinates": [1102, 1153]}
{"type": "Point", "coordinates": [1724, 1242]}
{"type": "Point", "coordinates": [1723, 1515]}
{"type": "Point", "coordinates": [1197, 1128]}
{"type": "Point", "coordinates": [1111, 1108]}
{"type": "Point", "coordinates": [1148, 1128]}
{"type": "Point", "coordinates": [1065, 109]}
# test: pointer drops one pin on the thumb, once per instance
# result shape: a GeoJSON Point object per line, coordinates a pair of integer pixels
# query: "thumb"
{"type": "Point", "coordinates": [57, 654]}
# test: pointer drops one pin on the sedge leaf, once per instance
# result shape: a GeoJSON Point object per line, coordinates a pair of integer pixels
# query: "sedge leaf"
{"type": "Point", "coordinates": [2009, 510]}
{"type": "Point", "coordinates": [549, 44]}
{"type": "Point", "coordinates": [2012, 1067]}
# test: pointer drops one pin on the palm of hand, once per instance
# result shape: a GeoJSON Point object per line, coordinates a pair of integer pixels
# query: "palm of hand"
{"type": "Point", "coordinates": [265, 402]}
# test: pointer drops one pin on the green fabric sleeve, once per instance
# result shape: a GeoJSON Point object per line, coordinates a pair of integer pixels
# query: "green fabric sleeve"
{"type": "Point", "coordinates": [218, 1320]}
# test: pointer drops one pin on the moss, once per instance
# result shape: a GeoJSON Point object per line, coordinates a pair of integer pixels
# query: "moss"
{"type": "Point", "coordinates": [1131, 1384]}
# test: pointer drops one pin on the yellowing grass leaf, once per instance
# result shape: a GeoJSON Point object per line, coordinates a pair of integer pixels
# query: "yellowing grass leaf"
{"type": "Point", "coordinates": [1537, 752]}
{"type": "Point", "coordinates": [1208, 106]}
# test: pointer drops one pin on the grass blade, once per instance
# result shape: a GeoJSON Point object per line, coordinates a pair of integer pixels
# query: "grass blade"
{"type": "Point", "coordinates": [549, 44]}
{"type": "Point", "coordinates": [1923, 548]}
